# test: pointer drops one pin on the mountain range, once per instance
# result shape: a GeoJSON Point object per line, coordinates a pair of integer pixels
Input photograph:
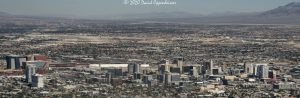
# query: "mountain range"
{"type": "Point", "coordinates": [287, 14]}
{"type": "Point", "coordinates": [4, 14]}
{"type": "Point", "coordinates": [287, 10]}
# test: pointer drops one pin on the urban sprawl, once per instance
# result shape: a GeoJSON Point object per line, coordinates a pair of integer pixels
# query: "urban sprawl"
{"type": "Point", "coordinates": [153, 60]}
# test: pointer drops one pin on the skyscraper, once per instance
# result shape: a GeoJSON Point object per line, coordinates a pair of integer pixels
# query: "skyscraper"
{"type": "Point", "coordinates": [179, 62]}
{"type": "Point", "coordinates": [206, 68]}
{"type": "Point", "coordinates": [167, 78]}
{"type": "Point", "coordinates": [29, 71]}
{"type": "Point", "coordinates": [137, 68]}
{"type": "Point", "coordinates": [15, 61]}
{"type": "Point", "coordinates": [263, 71]}
{"type": "Point", "coordinates": [211, 67]}
{"type": "Point", "coordinates": [247, 67]}
{"type": "Point", "coordinates": [194, 71]}
{"type": "Point", "coordinates": [272, 74]}
{"type": "Point", "coordinates": [37, 80]}
{"type": "Point", "coordinates": [130, 68]}
{"type": "Point", "coordinates": [255, 69]}
{"type": "Point", "coordinates": [108, 77]}
{"type": "Point", "coordinates": [164, 68]}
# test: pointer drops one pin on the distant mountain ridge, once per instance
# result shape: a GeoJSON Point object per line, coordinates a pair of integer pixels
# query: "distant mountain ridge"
{"type": "Point", "coordinates": [286, 14]}
{"type": "Point", "coordinates": [289, 9]}
{"type": "Point", "coordinates": [4, 14]}
{"type": "Point", "coordinates": [156, 15]}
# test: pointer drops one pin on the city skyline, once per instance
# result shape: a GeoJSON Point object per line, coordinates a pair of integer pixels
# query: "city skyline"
{"type": "Point", "coordinates": [150, 49]}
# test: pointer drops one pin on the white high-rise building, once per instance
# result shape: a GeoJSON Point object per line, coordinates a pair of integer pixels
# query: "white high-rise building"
{"type": "Point", "coordinates": [165, 68]}
{"type": "Point", "coordinates": [248, 68]}
{"type": "Point", "coordinates": [255, 69]}
{"type": "Point", "coordinates": [137, 68]}
{"type": "Point", "coordinates": [167, 78]}
{"type": "Point", "coordinates": [12, 62]}
{"type": "Point", "coordinates": [37, 80]}
{"type": "Point", "coordinates": [195, 71]}
{"type": "Point", "coordinates": [211, 67]}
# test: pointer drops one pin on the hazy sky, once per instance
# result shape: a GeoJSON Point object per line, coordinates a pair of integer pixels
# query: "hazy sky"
{"type": "Point", "coordinates": [101, 8]}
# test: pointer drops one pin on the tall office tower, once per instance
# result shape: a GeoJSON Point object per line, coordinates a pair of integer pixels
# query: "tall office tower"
{"type": "Point", "coordinates": [211, 67]}
{"type": "Point", "coordinates": [15, 61]}
{"type": "Point", "coordinates": [164, 68]}
{"type": "Point", "coordinates": [255, 69]}
{"type": "Point", "coordinates": [137, 68]}
{"type": "Point", "coordinates": [251, 69]}
{"type": "Point", "coordinates": [272, 74]}
{"type": "Point", "coordinates": [130, 68]}
{"type": "Point", "coordinates": [161, 69]}
{"type": "Point", "coordinates": [167, 78]}
{"type": "Point", "coordinates": [195, 71]}
{"type": "Point", "coordinates": [37, 80]}
{"type": "Point", "coordinates": [200, 69]}
{"type": "Point", "coordinates": [179, 62]}
{"type": "Point", "coordinates": [263, 71]}
{"type": "Point", "coordinates": [205, 68]}
{"type": "Point", "coordinates": [10, 62]}
{"type": "Point", "coordinates": [108, 77]}
{"type": "Point", "coordinates": [29, 71]}
{"type": "Point", "coordinates": [248, 68]}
